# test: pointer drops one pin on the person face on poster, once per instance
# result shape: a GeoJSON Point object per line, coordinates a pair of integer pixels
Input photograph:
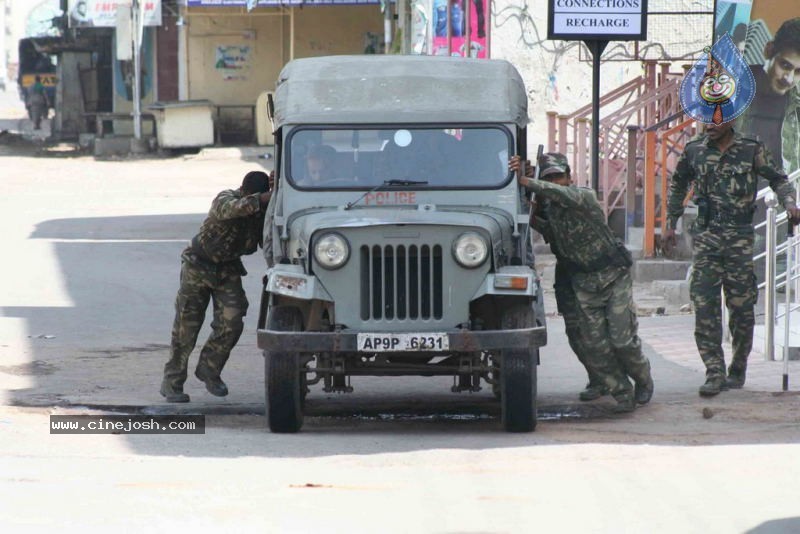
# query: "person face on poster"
{"type": "Point", "coordinates": [80, 15]}
{"type": "Point", "coordinates": [782, 55]}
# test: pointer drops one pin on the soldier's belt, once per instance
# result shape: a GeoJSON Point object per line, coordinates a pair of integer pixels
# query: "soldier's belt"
{"type": "Point", "coordinates": [726, 217]}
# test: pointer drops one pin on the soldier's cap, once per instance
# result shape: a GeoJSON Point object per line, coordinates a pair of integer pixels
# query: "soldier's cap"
{"type": "Point", "coordinates": [552, 163]}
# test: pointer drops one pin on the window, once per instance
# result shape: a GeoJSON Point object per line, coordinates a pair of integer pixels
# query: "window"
{"type": "Point", "coordinates": [346, 158]}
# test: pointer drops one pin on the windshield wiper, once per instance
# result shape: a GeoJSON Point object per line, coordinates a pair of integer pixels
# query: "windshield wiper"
{"type": "Point", "coordinates": [386, 183]}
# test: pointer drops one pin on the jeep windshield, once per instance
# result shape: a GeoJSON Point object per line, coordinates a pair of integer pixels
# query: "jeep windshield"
{"type": "Point", "coordinates": [465, 157]}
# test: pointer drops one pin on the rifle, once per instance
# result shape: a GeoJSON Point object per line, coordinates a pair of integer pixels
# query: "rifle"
{"type": "Point", "coordinates": [528, 238]}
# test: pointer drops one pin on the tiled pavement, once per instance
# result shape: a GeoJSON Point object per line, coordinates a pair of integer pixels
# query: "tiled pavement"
{"type": "Point", "coordinates": [671, 337]}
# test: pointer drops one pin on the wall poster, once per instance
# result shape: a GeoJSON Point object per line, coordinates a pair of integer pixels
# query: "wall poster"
{"type": "Point", "coordinates": [456, 44]}
{"type": "Point", "coordinates": [768, 32]}
{"type": "Point", "coordinates": [232, 61]}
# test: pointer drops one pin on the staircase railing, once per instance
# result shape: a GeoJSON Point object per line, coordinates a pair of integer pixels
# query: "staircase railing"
{"type": "Point", "coordinates": [789, 280]}
{"type": "Point", "coordinates": [663, 145]}
{"type": "Point", "coordinates": [640, 102]}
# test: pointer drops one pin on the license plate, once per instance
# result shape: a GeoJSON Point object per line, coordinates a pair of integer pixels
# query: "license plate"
{"type": "Point", "coordinates": [402, 342]}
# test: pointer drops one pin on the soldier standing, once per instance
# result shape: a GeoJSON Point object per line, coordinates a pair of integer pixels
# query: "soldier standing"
{"type": "Point", "coordinates": [211, 270]}
{"type": "Point", "coordinates": [724, 168]}
{"type": "Point", "coordinates": [597, 268]}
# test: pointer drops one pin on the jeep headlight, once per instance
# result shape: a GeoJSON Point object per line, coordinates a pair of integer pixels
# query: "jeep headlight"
{"type": "Point", "coordinates": [470, 250]}
{"type": "Point", "coordinates": [331, 251]}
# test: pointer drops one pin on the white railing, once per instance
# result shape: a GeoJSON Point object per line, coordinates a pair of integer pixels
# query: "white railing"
{"type": "Point", "coordinates": [789, 279]}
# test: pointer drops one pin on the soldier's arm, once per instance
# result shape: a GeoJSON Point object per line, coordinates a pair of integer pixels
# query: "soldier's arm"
{"type": "Point", "coordinates": [765, 167]}
{"type": "Point", "coordinates": [541, 225]}
{"type": "Point", "coordinates": [683, 176]}
{"type": "Point", "coordinates": [570, 197]}
{"type": "Point", "coordinates": [228, 206]}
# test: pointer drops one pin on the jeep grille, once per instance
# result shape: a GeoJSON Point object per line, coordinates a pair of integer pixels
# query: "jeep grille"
{"type": "Point", "coordinates": [401, 282]}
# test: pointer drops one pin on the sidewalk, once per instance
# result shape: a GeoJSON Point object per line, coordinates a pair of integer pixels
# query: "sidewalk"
{"type": "Point", "coordinates": [671, 337]}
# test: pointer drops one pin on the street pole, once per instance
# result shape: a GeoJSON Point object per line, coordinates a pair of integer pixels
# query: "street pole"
{"type": "Point", "coordinates": [596, 47]}
{"type": "Point", "coordinates": [787, 319]}
{"type": "Point", "coordinates": [466, 33]}
{"type": "Point", "coordinates": [136, 15]}
{"type": "Point", "coordinates": [387, 27]}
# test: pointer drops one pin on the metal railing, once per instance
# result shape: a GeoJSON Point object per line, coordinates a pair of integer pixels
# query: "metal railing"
{"type": "Point", "coordinates": [640, 102]}
{"type": "Point", "coordinates": [789, 280]}
{"type": "Point", "coordinates": [664, 142]}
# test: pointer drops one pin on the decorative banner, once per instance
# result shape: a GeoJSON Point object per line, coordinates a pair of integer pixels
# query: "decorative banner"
{"type": "Point", "coordinates": [103, 13]}
{"type": "Point", "coordinates": [720, 86]}
{"type": "Point", "coordinates": [124, 75]}
{"type": "Point", "coordinates": [421, 42]}
{"type": "Point", "coordinates": [456, 45]}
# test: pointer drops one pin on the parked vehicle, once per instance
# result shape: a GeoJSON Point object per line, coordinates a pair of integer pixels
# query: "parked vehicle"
{"type": "Point", "coordinates": [399, 234]}
{"type": "Point", "coordinates": [33, 63]}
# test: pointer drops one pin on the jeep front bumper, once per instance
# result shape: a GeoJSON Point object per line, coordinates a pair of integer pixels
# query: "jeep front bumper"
{"type": "Point", "coordinates": [345, 340]}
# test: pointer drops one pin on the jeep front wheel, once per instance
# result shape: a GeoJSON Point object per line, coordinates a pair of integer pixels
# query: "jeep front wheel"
{"type": "Point", "coordinates": [283, 375]}
{"type": "Point", "coordinates": [518, 377]}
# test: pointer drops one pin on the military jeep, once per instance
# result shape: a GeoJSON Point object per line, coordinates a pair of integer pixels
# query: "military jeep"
{"type": "Point", "coordinates": [399, 239]}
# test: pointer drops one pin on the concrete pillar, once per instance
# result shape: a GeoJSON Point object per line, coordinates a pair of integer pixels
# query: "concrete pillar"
{"type": "Point", "coordinates": [69, 121]}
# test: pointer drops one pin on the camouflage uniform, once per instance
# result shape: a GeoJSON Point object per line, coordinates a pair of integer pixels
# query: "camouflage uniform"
{"type": "Point", "coordinates": [566, 302]}
{"type": "Point", "coordinates": [212, 270]}
{"type": "Point", "coordinates": [725, 189]}
{"type": "Point", "coordinates": [600, 270]}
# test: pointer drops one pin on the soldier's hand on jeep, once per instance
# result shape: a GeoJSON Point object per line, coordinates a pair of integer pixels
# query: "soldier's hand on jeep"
{"type": "Point", "coordinates": [514, 164]}
{"type": "Point", "coordinates": [271, 180]}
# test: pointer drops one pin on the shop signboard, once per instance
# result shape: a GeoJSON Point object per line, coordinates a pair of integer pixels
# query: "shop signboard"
{"type": "Point", "coordinates": [607, 20]}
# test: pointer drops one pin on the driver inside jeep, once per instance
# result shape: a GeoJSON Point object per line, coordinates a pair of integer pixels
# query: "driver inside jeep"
{"type": "Point", "coordinates": [319, 165]}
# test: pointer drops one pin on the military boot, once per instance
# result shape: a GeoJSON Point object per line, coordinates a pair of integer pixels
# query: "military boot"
{"type": "Point", "coordinates": [626, 403]}
{"type": "Point", "coordinates": [736, 377]}
{"type": "Point", "coordinates": [214, 384]}
{"type": "Point", "coordinates": [713, 386]}
{"type": "Point", "coordinates": [173, 393]}
{"type": "Point", "coordinates": [644, 392]}
{"type": "Point", "coordinates": [593, 391]}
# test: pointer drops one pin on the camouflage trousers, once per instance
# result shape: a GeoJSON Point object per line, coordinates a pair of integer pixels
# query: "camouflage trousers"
{"type": "Point", "coordinates": [570, 310]}
{"type": "Point", "coordinates": [610, 328]}
{"type": "Point", "coordinates": [199, 285]}
{"type": "Point", "coordinates": [723, 260]}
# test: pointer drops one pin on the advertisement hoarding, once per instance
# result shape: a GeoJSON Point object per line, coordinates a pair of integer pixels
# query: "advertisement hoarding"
{"type": "Point", "coordinates": [103, 13]}
{"type": "Point", "coordinates": [772, 50]}
{"type": "Point", "coordinates": [456, 43]}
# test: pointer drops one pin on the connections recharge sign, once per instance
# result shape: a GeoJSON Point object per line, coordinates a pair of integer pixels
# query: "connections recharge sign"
{"type": "Point", "coordinates": [608, 20]}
